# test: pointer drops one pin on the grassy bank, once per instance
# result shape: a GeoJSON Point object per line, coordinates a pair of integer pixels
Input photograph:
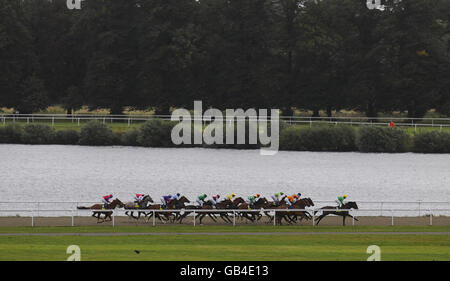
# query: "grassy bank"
{"type": "Point", "coordinates": [216, 228]}
{"type": "Point", "coordinates": [236, 247]}
{"type": "Point", "coordinates": [157, 133]}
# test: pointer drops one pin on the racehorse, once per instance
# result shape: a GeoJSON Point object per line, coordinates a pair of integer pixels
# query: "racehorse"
{"type": "Point", "coordinates": [143, 205]}
{"type": "Point", "coordinates": [251, 216]}
{"type": "Point", "coordinates": [116, 202]}
{"type": "Point", "coordinates": [176, 204]}
{"type": "Point", "coordinates": [342, 211]}
{"type": "Point", "coordinates": [301, 204]}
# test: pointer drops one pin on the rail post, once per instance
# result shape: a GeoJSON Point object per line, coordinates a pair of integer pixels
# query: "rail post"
{"type": "Point", "coordinates": [234, 218]}
{"type": "Point", "coordinates": [274, 217]}
{"type": "Point", "coordinates": [32, 219]}
{"type": "Point", "coordinates": [129, 121]}
{"type": "Point", "coordinates": [78, 121]}
{"type": "Point", "coordinates": [392, 214]}
{"type": "Point", "coordinates": [53, 121]}
{"type": "Point", "coordinates": [419, 207]}
{"type": "Point", "coordinates": [194, 217]}
{"type": "Point", "coordinates": [72, 219]}
{"type": "Point", "coordinates": [431, 218]}
{"type": "Point", "coordinates": [154, 221]}
{"type": "Point", "coordinates": [113, 220]}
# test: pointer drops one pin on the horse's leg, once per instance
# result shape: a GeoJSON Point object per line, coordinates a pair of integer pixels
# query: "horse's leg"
{"type": "Point", "coordinates": [212, 217]}
{"type": "Point", "coordinates": [353, 217]}
{"type": "Point", "coordinates": [343, 220]}
{"type": "Point", "coordinates": [320, 218]}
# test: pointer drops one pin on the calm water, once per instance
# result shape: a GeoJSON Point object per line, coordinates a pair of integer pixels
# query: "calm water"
{"type": "Point", "coordinates": [85, 174]}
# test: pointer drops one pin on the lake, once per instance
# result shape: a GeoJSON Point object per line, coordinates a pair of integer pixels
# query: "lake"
{"type": "Point", "coordinates": [85, 174]}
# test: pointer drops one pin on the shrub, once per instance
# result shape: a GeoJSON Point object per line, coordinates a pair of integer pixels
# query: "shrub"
{"type": "Point", "coordinates": [11, 133]}
{"type": "Point", "coordinates": [341, 138]}
{"type": "Point", "coordinates": [155, 133]}
{"type": "Point", "coordinates": [96, 133]}
{"type": "Point", "coordinates": [38, 134]}
{"type": "Point", "coordinates": [130, 137]}
{"type": "Point", "coordinates": [432, 142]}
{"type": "Point", "coordinates": [378, 139]}
{"type": "Point", "coordinates": [67, 137]}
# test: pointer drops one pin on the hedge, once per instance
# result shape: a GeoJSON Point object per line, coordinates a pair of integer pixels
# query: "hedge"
{"type": "Point", "coordinates": [96, 133]}
{"type": "Point", "coordinates": [38, 134]}
{"type": "Point", "coordinates": [340, 138]}
{"type": "Point", "coordinates": [379, 139]}
{"type": "Point", "coordinates": [155, 133]}
{"type": "Point", "coordinates": [432, 142]}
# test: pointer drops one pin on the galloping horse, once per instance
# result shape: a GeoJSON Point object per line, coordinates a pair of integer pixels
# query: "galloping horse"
{"type": "Point", "coordinates": [301, 204]}
{"type": "Point", "coordinates": [251, 216]}
{"type": "Point", "coordinates": [143, 205]}
{"type": "Point", "coordinates": [116, 202]}
{"type": "Point", "coordinates": [338, 212]}
{"type": "Point", "coordinates": [176, 205]}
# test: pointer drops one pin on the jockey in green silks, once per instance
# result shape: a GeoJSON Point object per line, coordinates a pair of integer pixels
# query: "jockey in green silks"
{"type": "Point", "coordinates": [201, 199]}
{"type": "Point", "coordinates": [277, 197]}
{"type": "Point", "coordinates": [252, 199]}
{"type": "Point", "coordinates": [340, 200]}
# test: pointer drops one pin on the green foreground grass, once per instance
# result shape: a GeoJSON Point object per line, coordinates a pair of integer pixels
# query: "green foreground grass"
{"type": "Point", "coordinates": [239, 247]}
{"type": "Point", "coordinates": [218, 228]}
{"type": "Point", "coordinates": [225, 247]}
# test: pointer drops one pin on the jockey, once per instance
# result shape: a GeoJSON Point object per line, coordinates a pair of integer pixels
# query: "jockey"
{"type": "Point", "coordinates": [231, 196]}
{"type": "Point", "coordinates": [201, 199]}
{"type": "Point", "coordinates": [175, 197]}
{"type": "Point", "coordinates": [138, 199]}
{"type": "Point", "coordinates": [214, 200]}
{"type": "Point", "coordinates": [291, 200]}
{"type": "Point", "coordinates": [252, 199]}
{"type": "Point", "coordinates": [340, 200]}
{"type": "Point", "coordinates": [164, 200]}
{"type": "Point", "coordinates": [106, 201]}
{"type": "Point", "coordinates": [276, 197]}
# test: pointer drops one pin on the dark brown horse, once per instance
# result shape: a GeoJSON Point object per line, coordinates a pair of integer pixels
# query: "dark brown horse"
{"type": "Point", "coordinates": [301, 205]}
{"type": "Point", "coordinates": [97, 214]}
{"type": "Point", "coordinates": [338, 211]}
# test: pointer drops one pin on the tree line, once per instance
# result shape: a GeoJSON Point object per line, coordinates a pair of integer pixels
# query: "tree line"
{"type": "Point", "coordinates": [308, 54]}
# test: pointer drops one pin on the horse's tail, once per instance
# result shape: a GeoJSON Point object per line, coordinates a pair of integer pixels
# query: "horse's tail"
{"type": "Point", "coordinates": [82, 208]}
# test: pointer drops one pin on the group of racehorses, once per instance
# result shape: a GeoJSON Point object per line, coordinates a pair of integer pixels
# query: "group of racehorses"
{"type": "Point", "coordinates": [236, 207]}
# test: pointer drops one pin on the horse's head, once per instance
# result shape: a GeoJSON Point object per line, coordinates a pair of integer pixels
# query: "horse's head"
{"type": "Point", "coordinates": [117, 202]}
{"type": "Point", "coordinates": [262, 201]}
{"type": "Point", "coordinates": [351, 205]}
{"type": "Point", "coordinates": [238, 201]}
{"type": "Point", "coordinates": [147, 199]}
{"type": "Point", "coordinates": [311, 203]}
{"type": "Point", "coordinates": [183, 199]}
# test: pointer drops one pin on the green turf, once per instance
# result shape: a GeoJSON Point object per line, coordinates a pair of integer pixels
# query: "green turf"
{"type": "Point", "coordinates": [214, 228]}
{"type": "Point", "coordinates": [198, 247]}
{"type": "Point", "coordinates": [122, 126]}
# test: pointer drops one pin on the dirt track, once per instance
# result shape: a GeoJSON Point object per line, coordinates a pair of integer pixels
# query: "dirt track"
{"type": "Point", "coordinates": [125, 221]}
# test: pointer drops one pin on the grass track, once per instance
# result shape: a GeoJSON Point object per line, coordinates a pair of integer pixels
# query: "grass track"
{"type": "Point", "coordinates": [236, 247]}
{"type": "Point", "coordinates": [196, 247]}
